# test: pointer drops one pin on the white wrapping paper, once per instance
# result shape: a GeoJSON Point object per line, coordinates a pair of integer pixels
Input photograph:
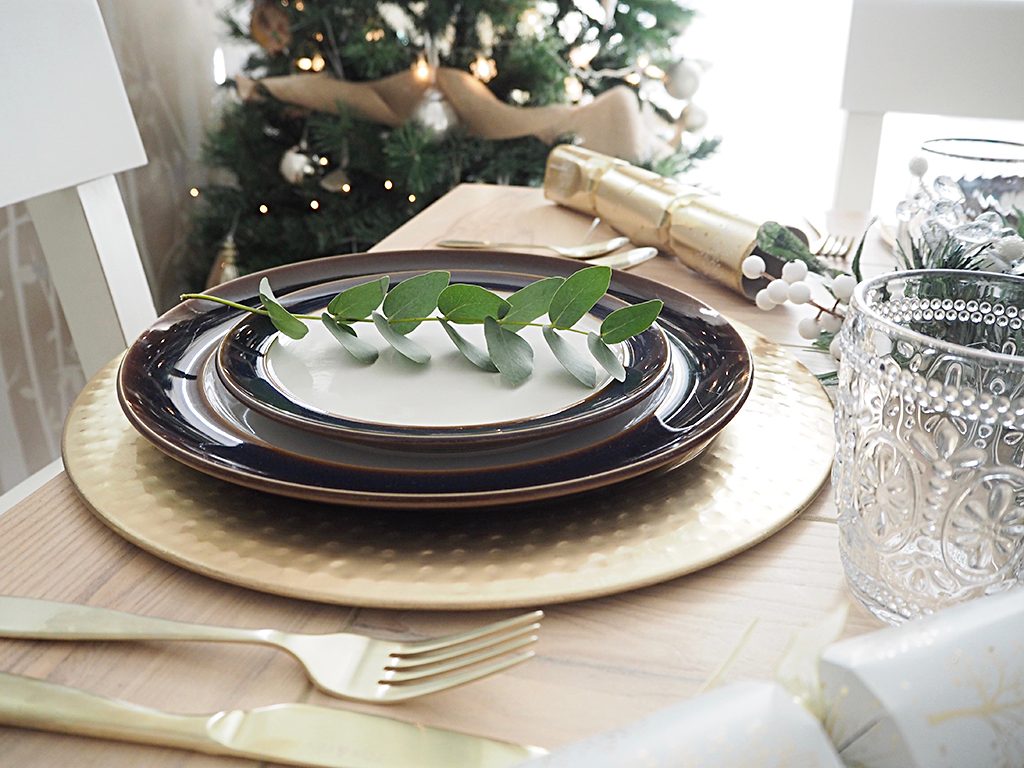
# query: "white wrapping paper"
{"type": "Point", "coordinates": [942, 692]}
{"type": "Point", "coordinates": [744, 725]}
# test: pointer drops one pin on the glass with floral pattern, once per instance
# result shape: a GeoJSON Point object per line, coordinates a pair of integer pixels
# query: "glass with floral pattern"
{"type": "Point", "coordinates": [929, 470]}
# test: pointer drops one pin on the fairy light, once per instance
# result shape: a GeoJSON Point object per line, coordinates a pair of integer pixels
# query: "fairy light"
{"type": "Point", "coordinates": [421, 70]}
{"type": "Point", "coordinates": [305, 63]}
{"type": "Point", "coordinates": [533, 21]}
{"type": "Point", "coordinates": [323, 160]}
{"type": "Point", "coordinates": [412, 198]}
{"type": "Point", "coordinates": [314, 204]}
{"type": "Point", "coordinates": [194, 191]}
{"type": "Point", "coordinates": [573, 88]}
{"type": "Point", "coordinates": [318, 62]}
{"type": "Point", "coordinates": [299, 5]}
{"type": "Point", "coordinates": [319, 37]}
{"type": "Point", "coordinates": [346, 187]}
{"type": "Point", "coordinates": [654, 72]}
{"type": "Point", "coordinates": [633, 78]}
{"type": "Point", "coordinates": [263, 208]}
{"type": "Point", "coordinates": [374, 35]}
{"type": "Point", "coordinates": [388, 184]}
{"type": "Point", "coordinates": [483, 69]}
{"type": "Point", "coordinates": [581, 56]}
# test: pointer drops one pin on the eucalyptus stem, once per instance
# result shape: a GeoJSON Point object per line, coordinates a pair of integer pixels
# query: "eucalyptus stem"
{"type": "Point", "coordinates": [394, 320]}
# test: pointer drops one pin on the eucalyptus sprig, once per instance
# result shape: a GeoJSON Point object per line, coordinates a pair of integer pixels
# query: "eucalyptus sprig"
{"type": "Point", "coordinates": [396, 312]}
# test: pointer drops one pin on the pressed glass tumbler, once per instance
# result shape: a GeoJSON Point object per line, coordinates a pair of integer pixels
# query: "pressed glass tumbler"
{"type": "Point", "coordinates": [929, 470]}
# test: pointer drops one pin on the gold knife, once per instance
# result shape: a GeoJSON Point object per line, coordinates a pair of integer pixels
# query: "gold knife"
{"type": "Point", "coordinates": [295, 734]}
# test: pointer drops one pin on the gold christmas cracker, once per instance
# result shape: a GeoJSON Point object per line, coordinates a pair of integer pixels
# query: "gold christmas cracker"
{"type": "Point", "coordinates": [696, 227]}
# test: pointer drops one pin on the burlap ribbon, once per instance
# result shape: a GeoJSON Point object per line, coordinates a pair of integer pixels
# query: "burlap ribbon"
{"type": "Point", "coordinates": [614, 123]}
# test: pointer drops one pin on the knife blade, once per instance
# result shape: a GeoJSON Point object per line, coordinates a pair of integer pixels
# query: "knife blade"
{"type": "Point", "coordinates": [294, 734]}
{"type": "Point", "coordinates": [626, 259]}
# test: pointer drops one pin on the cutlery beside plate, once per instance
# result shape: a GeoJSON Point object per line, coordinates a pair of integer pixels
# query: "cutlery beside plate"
{"type": "Point", "coordinates": [294, 734]}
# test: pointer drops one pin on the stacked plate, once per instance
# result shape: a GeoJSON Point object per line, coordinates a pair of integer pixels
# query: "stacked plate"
{"type": "Point", "coordinates": [226, 394]}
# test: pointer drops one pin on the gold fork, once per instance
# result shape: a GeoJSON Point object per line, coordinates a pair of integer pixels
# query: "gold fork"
{"type": "Point", "coordinates": [343, 664]}
{"type": "Point", "coordinates": [829, 245]}
{"type": "Point", "coordinates": [585, 251]}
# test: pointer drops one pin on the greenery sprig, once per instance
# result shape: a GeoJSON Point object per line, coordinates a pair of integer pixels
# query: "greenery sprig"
{"type": "Point", "coordinates": [395, 313]}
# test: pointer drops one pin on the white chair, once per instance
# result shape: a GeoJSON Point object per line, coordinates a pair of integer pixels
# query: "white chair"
{"type": "Point", "coordinates": [960, 58]}
{"type": "Point", "coordinates": [66, 128]}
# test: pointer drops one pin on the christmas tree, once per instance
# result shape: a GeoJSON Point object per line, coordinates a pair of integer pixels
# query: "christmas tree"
{"type": "Point", "coordinates": [356, 114]}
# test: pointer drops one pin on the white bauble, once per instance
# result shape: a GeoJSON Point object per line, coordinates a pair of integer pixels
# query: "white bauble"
{"type": "Point", "coordinates": [693, 118]}
{"type": "Point", "coordinates": [435, 113]}
{"type": "Point", "coordinates": [682, 80]}
{"type": "Point", "coordinates": [296, 165]}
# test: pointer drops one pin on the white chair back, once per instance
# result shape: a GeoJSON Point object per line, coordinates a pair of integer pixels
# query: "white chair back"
{"type": "Point", "coordinates": [960, 58]}
{"type": "Point", "coordinates": [66, 128]}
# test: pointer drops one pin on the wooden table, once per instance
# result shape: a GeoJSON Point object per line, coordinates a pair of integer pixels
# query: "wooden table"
{"type": "Point", "coordinates": [600, 664]}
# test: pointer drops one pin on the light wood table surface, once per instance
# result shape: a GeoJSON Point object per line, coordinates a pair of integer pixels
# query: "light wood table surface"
{"type": "Point", "coordinates": [600, 664]}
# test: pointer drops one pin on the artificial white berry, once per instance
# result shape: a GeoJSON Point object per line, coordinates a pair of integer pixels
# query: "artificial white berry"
{"type": "Point", "coordinates": [799, 293]}
{"type": "Point", "coordinates": [918, 166]}
{"type": "Point", "coordinates": [794, 271]}
{"type": "Point", "coordinates": [778, 291]}
{"type": "Point", "coordinates": [1010, 248]}
{"type": "Point", "coordinates": [831, 323]}
{"type": "Point", "coordinates": [753, 267]}
{"type": "Point", "coordinates": [834, 350]}
{"type": "Point", "coordinates": [808, 328]}
{"type": "Point", "coordinates": [842, 287]}
{"type": "Point", "coordinates": [764, 301]}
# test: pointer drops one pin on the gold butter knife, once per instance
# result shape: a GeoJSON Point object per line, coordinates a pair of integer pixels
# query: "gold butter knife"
{"type": "Point", "coordinates": [295, 734]}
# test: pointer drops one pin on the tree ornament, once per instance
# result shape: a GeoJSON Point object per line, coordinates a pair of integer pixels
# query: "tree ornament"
{"type": "Point", "coordinates": [269, 26]}
{"type": "Point", "coordinates": [693, 118]}
{"type": "Point", "coordinates": [682, 80]}
{"type": "Point", "coordinates": [225, 266]}
{"type": "Point", "coordinates": [435, 113]}
{"type": "Point", "coordinates": [296, 164]}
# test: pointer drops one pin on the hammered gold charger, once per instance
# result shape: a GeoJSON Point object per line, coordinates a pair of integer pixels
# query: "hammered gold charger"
{"type": "Point", "coordinates": [756, 476]}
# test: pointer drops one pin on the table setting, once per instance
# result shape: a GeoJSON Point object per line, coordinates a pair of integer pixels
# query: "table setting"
{"type": "Point", "coordinates": [632, 451]}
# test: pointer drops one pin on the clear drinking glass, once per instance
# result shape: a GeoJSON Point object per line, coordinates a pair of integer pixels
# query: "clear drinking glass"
{"type": "Point", "coordinates": [929, 470]}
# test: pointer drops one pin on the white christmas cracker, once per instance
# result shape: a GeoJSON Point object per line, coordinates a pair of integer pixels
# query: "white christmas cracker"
{"type": "Point", "coordinates": [744, 725]}
{"type": "Point", "coordinates": [946, 691]}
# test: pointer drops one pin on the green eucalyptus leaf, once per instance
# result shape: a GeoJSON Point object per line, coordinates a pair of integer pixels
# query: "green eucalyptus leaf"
{"type": "Point", "coordinates": [414, 297]}
{"type": "Point", "coordinates": [469, 350]}
{"type": "Point", "coordinates": [469, 304]}
{"type": "Point", "coordinates": [629, 321]}
{"type": "Point", "coordinates": [357, 302]}
{"type": "Point", "coordinates": [570, 358]}
{"type": "Point", "coordinates": [530, 302]}
{"type": "Point", "coordinates": [283, 320]}
{"type": "Point", "coordinates": [363, 351]}
{"type": "Point", "coordinates": [402, 344]}
{"type": "Point", "coordinates": [512, 355]}
{"type": "Point", "coordinates": [606, 356]}
{"type": "Point", "coordinates": [781, 242]}
{"type": "Point", "coordinates": [578, 295]}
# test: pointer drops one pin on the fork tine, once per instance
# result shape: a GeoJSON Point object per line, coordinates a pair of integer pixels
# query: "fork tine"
{"type": "Point", "coordinates": [416, 673]}
{"type": "Point", "coordinates": [437, 684]}
{"type": "Point", "coordinates": [401, 661]}
{"type": "Point", "coordinates": [422, 646]}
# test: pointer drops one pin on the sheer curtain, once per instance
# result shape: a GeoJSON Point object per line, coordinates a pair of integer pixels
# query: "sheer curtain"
{"type": "Point", "coordinates": [165, 52]}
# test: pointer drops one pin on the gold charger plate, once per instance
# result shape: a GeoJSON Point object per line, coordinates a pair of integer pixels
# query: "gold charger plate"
{"type": "Point", "coordinates": [753, 479]}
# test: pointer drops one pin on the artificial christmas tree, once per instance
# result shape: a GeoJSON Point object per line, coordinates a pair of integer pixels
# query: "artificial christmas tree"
{"type": "Point", "coordinates": [354, 114]}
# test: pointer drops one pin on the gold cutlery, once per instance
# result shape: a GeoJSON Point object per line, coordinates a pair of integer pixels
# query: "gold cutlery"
{"type": "Point", "coordinates": [342, 664]}
{"type": "Point", "coordinates": [626, 259]}
{"type": "Point", "coordinates": [585, 251]}
{"type": "Point", "coordinates": [296, 734]}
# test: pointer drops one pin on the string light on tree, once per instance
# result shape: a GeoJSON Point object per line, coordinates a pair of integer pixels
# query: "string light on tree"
{"type": "Point", "coordinates": [317, 62]}
{"type": "Point", "coordinates": [412, 198]}
{"type": "Point", "coordinates": [314, 204]}
{"type": "Point", "coordinates": [264, 208]}
{"type": "Point", "coordinates": [573, 88]}
{"type": "Point", "coordinates": [374, 35]}
{"type": "Point", "coordinates": [194, 192]}
{"type": "Point", "coordinates": [421, 70]}
{"type": "Point", "coordinates": [483, 69]}
{"type": "Point", "coordinates": [305, 63]}
{"type": "Point", "coordinates": [388, 184]}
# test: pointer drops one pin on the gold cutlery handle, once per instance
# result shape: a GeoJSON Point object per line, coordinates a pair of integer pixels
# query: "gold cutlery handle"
{"type": "Point", "coordinates": [484, 244]}
{"type": "Point", "coordinates": [29, 703]}
{"type": "Point", "coordinates": [24, 617]}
